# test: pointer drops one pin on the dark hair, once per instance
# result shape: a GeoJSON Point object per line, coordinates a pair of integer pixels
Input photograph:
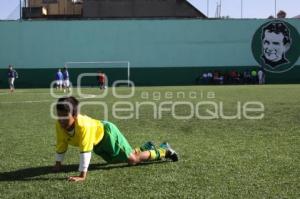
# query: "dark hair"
{"type": "Point", "coordinates": [278, 27]}
{"type": "Point", "coordinates": [68, 105]}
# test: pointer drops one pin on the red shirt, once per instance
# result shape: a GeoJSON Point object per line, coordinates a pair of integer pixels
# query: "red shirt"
{"type": "Point", "coordinates": [101, 77]}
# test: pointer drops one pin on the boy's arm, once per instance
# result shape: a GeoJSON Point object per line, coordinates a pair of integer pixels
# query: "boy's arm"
{"type": "Point", "coordinates": [85, 158]}
{"type": "Point", "coordinates": [58, 162]}
{"type": "Point", "coordinates": [61, 148]}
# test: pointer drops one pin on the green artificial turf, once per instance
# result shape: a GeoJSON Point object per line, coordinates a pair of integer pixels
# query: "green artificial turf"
{"type": "Point", "coordinates": [219, 158]}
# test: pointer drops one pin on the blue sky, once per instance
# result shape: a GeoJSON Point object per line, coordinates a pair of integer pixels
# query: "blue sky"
{"type": "Point", "coordinates": [232, 8]}
{"type": "Point", "coordinates": [251, 8]}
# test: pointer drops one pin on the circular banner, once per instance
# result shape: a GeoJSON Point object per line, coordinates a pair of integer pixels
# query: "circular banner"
{"type": "Point", "coordinates": [276, 46]}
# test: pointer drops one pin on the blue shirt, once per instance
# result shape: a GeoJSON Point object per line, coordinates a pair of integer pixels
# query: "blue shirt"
{"type": "Point", "coordinates": [12, 74]}
{"type": "Point", "coordinates": [59, 76]}
{"type": "Point", "coordinates": [66, 75]}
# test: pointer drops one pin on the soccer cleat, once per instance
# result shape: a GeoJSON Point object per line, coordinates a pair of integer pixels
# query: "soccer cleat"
{"type": "Point", "coordinates": [147, 146]}
{"type": "Point", "coordinates": [170, 153]}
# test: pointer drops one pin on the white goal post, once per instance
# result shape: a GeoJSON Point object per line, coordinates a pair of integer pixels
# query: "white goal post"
{"type": "Point", "coordinates": [100, 64]}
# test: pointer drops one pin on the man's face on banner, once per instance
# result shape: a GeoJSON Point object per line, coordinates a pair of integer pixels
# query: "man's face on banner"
{"type": "Point", "coordinates": [273, 46]}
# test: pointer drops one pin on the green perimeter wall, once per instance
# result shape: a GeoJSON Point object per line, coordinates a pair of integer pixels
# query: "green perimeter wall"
{"type": "Point", "coordinates": [161, 52]}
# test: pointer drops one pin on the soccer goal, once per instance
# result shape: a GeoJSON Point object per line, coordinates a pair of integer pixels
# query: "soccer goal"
{"type": "Point", "coordinates": [123, 66]}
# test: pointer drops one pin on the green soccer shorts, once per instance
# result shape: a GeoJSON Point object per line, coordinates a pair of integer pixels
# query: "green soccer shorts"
{"type": "Point", "coordinates": [113, 148]}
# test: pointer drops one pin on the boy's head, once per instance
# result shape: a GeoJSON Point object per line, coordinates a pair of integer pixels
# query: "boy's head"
{"type": "Point", "coordinates": [67, 111]}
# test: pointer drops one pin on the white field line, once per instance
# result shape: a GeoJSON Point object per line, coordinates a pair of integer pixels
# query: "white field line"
{"type": "Point", "coordinates": [27, 101]}
{"type": "Point", "coordinates": [41, 101]}
{"type": "Point", "coordinates": [23, 92]}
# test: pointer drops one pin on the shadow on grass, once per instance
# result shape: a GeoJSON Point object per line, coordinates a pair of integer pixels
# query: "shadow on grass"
{"type": "Point", "coordinates": [36, 173]}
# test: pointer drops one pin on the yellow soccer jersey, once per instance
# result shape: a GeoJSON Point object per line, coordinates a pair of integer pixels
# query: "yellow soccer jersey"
{"type": "Point", "coordinates": [87, 133]}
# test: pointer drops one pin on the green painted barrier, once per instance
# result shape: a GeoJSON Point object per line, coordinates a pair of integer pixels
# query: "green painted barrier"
{"type": "Point", "coordinates": [160, 52]}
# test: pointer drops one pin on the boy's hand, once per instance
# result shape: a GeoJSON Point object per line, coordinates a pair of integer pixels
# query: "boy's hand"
{"type": "Point", "coordinates": [79, 178]}
{"type": "Point", "coordinates": [57, 167]}
{"type": "Point", "coordinates": [76, 178]}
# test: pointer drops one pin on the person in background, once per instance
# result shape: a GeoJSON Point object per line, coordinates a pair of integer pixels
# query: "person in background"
{"type": "Point", "coordinates": [247, 76]}
{"type": "Point", "coordinates": [205, 78]}
{"type": "Point", "coordinates": [261, 76]}
{"type": "Point", "coordinates": [209, 77]}
{"type": "Point", "coordinates": [102, 80]}
{"type": "Point", "coordinates": [234, 77]}
{"type": "Point", "coordinates": [254, 76]}
{"type": "Point", "coordinates": [66, 80]}
{"type": "Point", "coordinates": [59, 80]}
{"type": "Point", "coordinates": [12, 75]}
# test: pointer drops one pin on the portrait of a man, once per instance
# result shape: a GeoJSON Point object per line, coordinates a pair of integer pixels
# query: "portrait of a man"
{"type": "Point", "coordinates": [276, 41]}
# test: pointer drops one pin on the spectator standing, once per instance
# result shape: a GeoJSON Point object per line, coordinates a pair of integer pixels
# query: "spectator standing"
{"type": "Point", "coordinates": [204, 78]}
{"type": "Point", "coordinates": [12, 75]}
{"type": "Point", "coordinates": [254, 76]}
{"type": "Point", "coordinates": [209, 77]}
{"type": "Point", "coordinates": [247, 76]}
{"type": "Point", "coordinates": [261, 76]}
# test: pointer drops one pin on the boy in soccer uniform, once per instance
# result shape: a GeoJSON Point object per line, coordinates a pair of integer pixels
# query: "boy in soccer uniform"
{"type": "Point", "coordinates": [66, 80]}
{"type": "Point", "coordinates": [12, 75]}
{"type": "Point", "coordinates": [59, 79]}
{"type": "Point", "coordinates": [102, 137]}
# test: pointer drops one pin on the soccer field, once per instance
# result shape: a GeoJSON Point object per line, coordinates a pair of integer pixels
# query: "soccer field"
{"type": "Point", "coordinates": [219, 158]}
